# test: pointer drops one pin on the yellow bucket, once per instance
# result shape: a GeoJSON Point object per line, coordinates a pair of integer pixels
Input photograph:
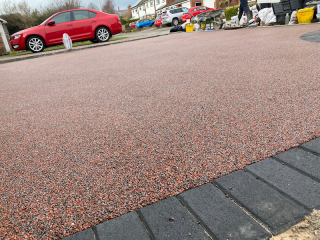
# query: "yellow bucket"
{"type": "Point", "coordinates": [189, 27]}
{"type": "Point", "coordinates": [305, 15]}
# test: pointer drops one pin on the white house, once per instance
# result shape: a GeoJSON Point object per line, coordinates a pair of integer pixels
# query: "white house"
{"type": "Point", "coordinates": [190, 4]}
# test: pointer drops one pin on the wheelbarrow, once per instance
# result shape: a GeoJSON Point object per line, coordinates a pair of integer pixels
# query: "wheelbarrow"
{"type": "Point", "coordinates": [211, 17]}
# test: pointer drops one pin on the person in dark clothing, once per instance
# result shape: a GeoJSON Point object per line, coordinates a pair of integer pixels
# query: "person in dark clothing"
{"type": "Point", "coordinates": [244, 7]}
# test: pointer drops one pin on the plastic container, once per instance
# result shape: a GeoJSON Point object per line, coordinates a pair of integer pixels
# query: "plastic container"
{"type": "Point", "coordinates": [287, 19]}
{"type": "Point", "coordinates": [305, 15]}
{"type": "Point", "coordinates": [189, 27]}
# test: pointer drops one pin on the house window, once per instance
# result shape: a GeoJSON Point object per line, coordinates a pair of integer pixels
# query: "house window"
{"type": "Point", "coordinates": [198, 3]}
{"type": "Point", "coordinates": [158, 1]}
{"type": "Point", "coordinates": [163, 1]}
{"type": "Point", "coordinates": [151, 4]}
{"type": "Point", "coordinates": [140, 8]}
{"type": "Point", "coordinates": [147, 4]}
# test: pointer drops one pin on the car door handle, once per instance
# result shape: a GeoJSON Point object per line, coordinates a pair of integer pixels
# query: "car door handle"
{"type": "Point", "coordinates": [69, 25]}
{"type": "Point", "coordinates": [93, 21]}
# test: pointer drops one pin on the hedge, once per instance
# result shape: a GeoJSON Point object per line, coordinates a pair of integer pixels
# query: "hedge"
{"type": "Point", "coordinates": [230, 12]}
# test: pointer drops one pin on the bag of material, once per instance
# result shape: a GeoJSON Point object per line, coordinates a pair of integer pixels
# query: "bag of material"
{"type": "Point", "coordinates": [294, 18]}
{"type": "Point", "coordinates": [271, 18]}
{"type": "Point", "coordinates": [196, 27]}
{"type": "Point", "coordinates": [305, 15]}
{"type": "Point", "coordinates": [67, 41]}
{"type": "Point", "coordinates": [263, 14]}
{"type": "Point", "coordinates": [243, 20]}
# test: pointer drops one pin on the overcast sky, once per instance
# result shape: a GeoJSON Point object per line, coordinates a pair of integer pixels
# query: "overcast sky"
{"type": "Point", "coordinates": [121, 3]}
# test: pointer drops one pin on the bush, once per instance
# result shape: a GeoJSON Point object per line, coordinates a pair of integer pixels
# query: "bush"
{"type": "Point", "coordinates": [230, 12]}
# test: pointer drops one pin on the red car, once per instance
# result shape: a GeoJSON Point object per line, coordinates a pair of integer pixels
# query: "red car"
{"type": "Point", "coordinates": [79, 24]}
{"type": "Point", "coordinates": [158, 21]}
{"type": "Point", "coordinates": [194, 11]}
{"type": "Point", "coordinates": [132, 25]}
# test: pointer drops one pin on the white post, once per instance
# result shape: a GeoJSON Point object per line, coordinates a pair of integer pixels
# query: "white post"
{"type": "Point", "coordinates": [100, 6]}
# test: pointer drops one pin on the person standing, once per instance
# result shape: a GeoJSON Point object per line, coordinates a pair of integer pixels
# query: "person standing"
{"type": "Point", "coordinates": [244, 7]}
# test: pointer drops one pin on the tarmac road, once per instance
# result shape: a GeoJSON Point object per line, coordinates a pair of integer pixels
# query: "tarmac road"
{"type": "Point", "coordinates": [89, 135]}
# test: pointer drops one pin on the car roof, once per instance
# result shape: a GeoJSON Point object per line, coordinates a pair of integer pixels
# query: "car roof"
{"type": "Point", "coordinates": [195, 7]}
{"type": "Point", "coordinates": [80, 9]}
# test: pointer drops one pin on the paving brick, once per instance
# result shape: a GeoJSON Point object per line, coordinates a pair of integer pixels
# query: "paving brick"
{"type": "Point", "coordinates": [304, 161]}
{"type": "Point", "coordinates": [125, 227]}
{"type": "Point", "coordinates": [157, 218]}
{"type": "Point", "coordinates": [83, 235]}
{"type": "Point", "coordinates": [265, 203]}
{"type": "Point", "coordinates": [222, 218]}
{"type": "Point", "coordinates": [296, 185]}
{"type": "Point", "coordinates": [313, 145]}
{"type": "Point", "coordinates": [312, 37]}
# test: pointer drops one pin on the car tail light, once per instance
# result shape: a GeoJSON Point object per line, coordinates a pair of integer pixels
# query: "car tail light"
{"type": "Point", "coordinates": [167, 15]}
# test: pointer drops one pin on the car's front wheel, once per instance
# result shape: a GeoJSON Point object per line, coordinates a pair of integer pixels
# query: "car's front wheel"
{"type": "Point", "coordinates": [103, 34]}
{"type": "Point", "coordinates": [35, 44]}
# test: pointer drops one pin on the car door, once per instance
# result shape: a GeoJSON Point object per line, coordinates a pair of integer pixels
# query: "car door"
{"type": "Point", "coordinates": [83, 25]}
{"type": "Point", "coordinates": [195, 12]}
{"type": "Point", "coordinates": [145, 23]}
{"type": "Point", "coordinates": [63, 24]}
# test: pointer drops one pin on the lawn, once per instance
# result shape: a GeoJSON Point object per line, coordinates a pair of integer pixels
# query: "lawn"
{"type": "Point", "coordinates": [14, 53]}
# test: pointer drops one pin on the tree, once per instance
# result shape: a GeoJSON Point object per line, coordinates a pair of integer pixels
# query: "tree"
{"type": "Point", "coordinates": [108, 7]}
{"type": "Point", "coordinates": [92, 6]}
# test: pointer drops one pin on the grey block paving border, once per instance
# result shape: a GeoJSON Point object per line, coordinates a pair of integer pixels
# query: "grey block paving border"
{"type": "Point", "coordinates": [266, 197]}
{"type": "Point", "coordinates": [312, 37]}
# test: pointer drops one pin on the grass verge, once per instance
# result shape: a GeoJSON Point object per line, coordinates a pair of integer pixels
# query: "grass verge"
{"type": "Point", "coordinates": [76, 44]}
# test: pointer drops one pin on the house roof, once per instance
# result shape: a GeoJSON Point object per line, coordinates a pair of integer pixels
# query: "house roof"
{"type": "Point", "coordinates": [176, 2]}
{"type": "Point", "coordinates": [161, 6]}
{"type": "Point", "coordinates": [4, 21]}
{"type": "Point", "coordinates": [122, 12]}
{"type": "Point", "coordinates": [136, 4]}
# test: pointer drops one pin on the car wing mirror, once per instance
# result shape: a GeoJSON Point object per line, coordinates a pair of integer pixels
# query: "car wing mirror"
{"type": "Point", "coordinates": [51, 23]}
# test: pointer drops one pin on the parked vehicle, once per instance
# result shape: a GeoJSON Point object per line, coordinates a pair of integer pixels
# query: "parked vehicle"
{"type": "Point", "coordinates": [79, 24]}
{"type": "Point", "coordinates": [173, 16]}
{"type": "Point", "coordinates": [158, 21]}
{"type": "Point", "coordinates": [144, 23]}
{"type": "Point", "coordinates": [194, 11]}
{"type": "Point", "coordinates": [132, 25]}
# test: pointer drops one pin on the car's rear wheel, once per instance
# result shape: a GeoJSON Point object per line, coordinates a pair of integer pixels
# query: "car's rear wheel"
{"type": "Point", "coordinates": [103, 34]}
{"type": "Point", "coordinates": [35, 44]}
{"type": "Point", "coordinates": [175, 22]}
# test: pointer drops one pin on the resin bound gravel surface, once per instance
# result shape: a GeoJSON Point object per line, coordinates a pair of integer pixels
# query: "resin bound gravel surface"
{"type": "Point", "coordinates": [88, 136]}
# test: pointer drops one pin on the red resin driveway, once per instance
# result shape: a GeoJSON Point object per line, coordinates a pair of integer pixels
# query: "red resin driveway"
{"type": "Point", "coordinates": [87, 136]}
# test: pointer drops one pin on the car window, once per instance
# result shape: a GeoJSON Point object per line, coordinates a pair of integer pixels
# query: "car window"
{"type": "Point", "coordinates": [172, 11]}
{"type": "Point", "coordinates": [194, 10]}
{"type": "Point", "coordinates": [202, 8]}
{"type": "Point", "coordinates": [185, 9]}
{"type": "Point", "coordinates": [92, 14]}
{"type": "Point", "coordinates": [62, 18]}
{"type": "Point", "coordinates": [158, 17]}
{"type": "Point", "coordinates": [80, 15]}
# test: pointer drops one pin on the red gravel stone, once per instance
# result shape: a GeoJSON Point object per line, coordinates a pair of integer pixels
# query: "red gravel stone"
{"type": "Point", "coordinates": [88, 136]}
